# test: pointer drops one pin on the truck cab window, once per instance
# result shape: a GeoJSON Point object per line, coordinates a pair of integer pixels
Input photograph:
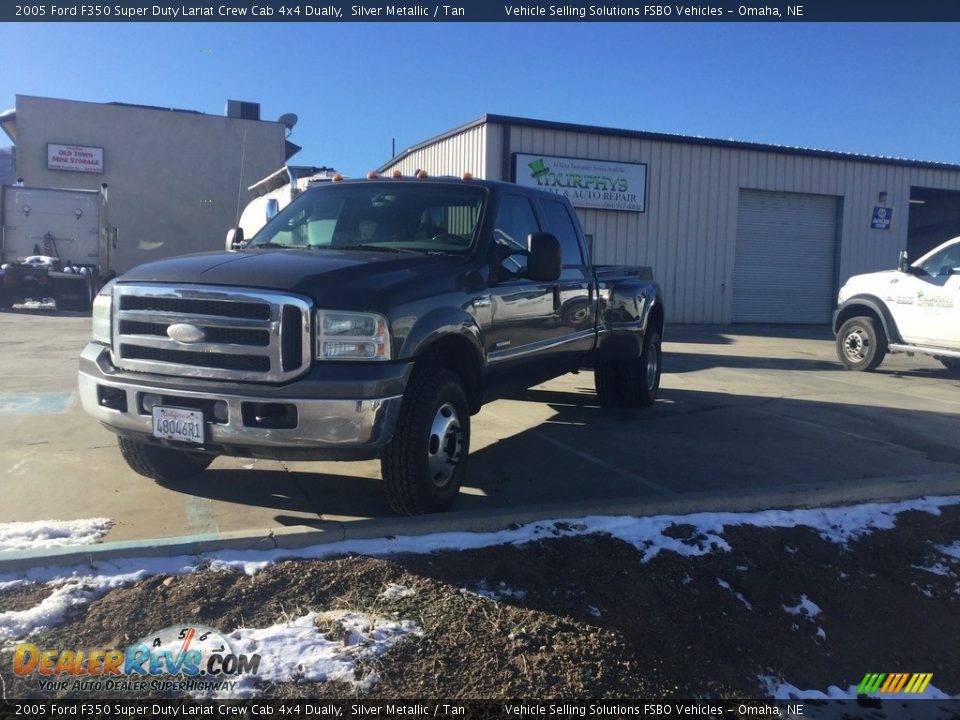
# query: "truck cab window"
{"type": "Point", "coordinates": [515, 221]}
{"type": "Point", "coordinates": [561, 225]}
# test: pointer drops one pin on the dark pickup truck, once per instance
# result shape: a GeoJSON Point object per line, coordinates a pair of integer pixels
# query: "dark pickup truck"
{"type": "Point", "coordinates": [369, 318]}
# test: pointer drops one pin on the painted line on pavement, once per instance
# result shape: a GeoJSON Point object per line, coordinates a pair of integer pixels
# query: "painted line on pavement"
{"type": "Point", "coordinates": [35, 404]}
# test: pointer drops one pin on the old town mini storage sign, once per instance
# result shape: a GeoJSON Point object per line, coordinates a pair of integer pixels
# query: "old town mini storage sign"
{"type": "Point", "coordinates": [74, 157]}
{"type": "Point", "coordinates": [596, 184]}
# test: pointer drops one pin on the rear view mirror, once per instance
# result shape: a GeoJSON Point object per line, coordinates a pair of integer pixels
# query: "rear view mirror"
{"type": "Point", "coordinates": [903, 264]}
{"type": "Point", "coordinates": [273, 207]}
{"type": "Point", "coordinates": [544, 259]}
{"type": "Point", "coordinates": [234, 239]}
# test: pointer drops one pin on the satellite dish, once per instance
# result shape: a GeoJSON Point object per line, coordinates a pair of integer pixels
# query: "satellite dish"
{"type": "Point", "coordinates": [288, 120]}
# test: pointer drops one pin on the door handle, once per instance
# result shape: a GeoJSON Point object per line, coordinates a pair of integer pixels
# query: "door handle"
{"type": "Point", "coordinates": [481, 301]}
{"type": "Point", "coordinates": [556, 297]}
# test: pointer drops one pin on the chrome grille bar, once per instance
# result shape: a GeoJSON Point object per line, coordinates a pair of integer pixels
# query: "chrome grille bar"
{"type": "Point", "coordinates": [266, 334]}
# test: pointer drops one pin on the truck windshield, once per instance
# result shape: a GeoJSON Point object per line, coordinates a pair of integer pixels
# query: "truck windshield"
{"type": "Point", "coordinates": [397, 216]}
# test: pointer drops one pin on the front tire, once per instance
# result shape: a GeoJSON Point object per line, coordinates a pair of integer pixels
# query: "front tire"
{"type": "Point", "coordinates": [162, 463]}
{"type": "Point", "coordinates": [425, 462]}
{"type": "Point", "coordinates": [861, 344]}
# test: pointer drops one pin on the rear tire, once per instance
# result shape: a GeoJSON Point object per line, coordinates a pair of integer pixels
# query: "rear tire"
{"type": "Point", "coordinates": [861, 344]}
{"type": "Point", "coordinates": [631, 383]}
{"type": "Point", "coordinates": [425, 462]}
{"type": "Point", "coordinates": [162, 463]}
{"type": "Point", "coordinates": [640, 379]}
{"type": "Point", "coordinates": [605, 380]}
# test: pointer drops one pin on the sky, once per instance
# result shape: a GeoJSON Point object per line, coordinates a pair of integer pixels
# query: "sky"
{"type": "Point", "coordinates": [876, 89]}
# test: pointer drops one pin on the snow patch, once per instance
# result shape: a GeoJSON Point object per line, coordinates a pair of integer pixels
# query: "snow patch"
{"type": "Point", "coordinates": [951, 551]}
{"type": "Point", "coordinates": [79, 586]}
{"type": "Point", "coordinates": [482, 590]}
{"type": "Point", "coordinates": [806, 607]}
{"type": "Point", "coordinates": [393, 591]}
{"type": "Point", "coordinates": [318, 647]}
{"type": "Point", "coordinates": [53, 609]}
{"type": "Point", "coordinates": [726, 586]}
{"type": "Point", "coordinates": [20, 536]}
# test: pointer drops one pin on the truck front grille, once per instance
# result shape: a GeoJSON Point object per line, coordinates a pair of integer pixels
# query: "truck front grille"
{"type": "Point", "coordinates": [247, 334]}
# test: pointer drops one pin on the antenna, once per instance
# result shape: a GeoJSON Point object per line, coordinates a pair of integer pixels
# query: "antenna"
{"type": "Point", "coordinates": [288, 120]}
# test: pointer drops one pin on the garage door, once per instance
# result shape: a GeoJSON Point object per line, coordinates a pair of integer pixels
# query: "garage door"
{"type": "Point", "coordinates": [785, 270]}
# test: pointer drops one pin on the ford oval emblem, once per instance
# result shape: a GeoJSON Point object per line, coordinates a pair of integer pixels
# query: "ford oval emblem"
{"type": "Point", "coordinates": [186, 333]}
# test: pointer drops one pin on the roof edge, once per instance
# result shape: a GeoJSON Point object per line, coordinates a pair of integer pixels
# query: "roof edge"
{"type": "Point", "coordinates": [668, 137]}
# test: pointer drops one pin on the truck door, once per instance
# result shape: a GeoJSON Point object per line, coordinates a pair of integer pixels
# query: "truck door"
{"type": "Point", "coordinates": [523, 320]}
{"type": "Point", "coordinates": [574, 297]}
{"type": "Point", "coordinates": [936, 291]}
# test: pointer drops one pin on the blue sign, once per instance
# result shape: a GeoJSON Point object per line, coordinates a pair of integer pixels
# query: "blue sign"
{"type": "Point", "coordinates": [881, 218]}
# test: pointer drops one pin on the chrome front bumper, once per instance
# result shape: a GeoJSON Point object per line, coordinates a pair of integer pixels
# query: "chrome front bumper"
{"type": "Point", "coordinates": [321, 424]}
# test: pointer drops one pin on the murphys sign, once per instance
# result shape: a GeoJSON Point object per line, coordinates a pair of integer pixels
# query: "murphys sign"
{"type": "Point", "coordinates": [74, 157]}
{"type": "Point", "coordinates": [596, 184]}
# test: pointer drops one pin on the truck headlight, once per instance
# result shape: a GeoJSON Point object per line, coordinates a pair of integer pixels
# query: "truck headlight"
{"type": "Point", "coordinates": [352, 336]}
{"type": "Point", "coordinates": [102, 305]}
{"type": "Point", "coordinates": [842, 295]}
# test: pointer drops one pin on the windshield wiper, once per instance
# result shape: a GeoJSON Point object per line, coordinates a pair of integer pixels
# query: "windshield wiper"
{"type": "Point", "coordinates": [381, 248]}
{"type": "Point", "coordinates": [273, 245]}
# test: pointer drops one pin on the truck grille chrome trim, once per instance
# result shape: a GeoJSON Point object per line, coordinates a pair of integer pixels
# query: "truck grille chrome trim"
{"type": "Point", "coordinates": [248, 334]}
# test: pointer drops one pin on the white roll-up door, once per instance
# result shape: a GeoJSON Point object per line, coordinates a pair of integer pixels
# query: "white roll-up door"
{"type": "Point", "coordinates": [785, 269]}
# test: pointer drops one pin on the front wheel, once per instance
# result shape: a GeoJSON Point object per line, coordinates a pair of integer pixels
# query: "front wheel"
{"type": "Point", "coordinates": [425, 462]}
{"type": "Point", "coordinates": [861, 344]}
{"type": "Point", "coordinates": [162, 463]}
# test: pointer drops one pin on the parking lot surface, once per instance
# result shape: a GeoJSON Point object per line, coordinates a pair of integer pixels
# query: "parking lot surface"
{"type": "Point", "coordinates": [742, 410]}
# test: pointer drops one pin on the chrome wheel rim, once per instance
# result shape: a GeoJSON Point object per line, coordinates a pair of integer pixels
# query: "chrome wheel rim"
{"type": "Point", "coordinates": [855, 344]}
{"type": "Point", "coordinates": [653, 366]}
{"type": "Point", "coordinates": [445, 445]}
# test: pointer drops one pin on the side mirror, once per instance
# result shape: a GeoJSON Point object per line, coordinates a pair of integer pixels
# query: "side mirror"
{"type": "Point", "coordinates": [234, 239]}
{"type": "Point", "coordinates": [545, 258]}
{"type": "Point", "coordinates": [903, 264]}
{"type": "Point", "coordinates": [273, 207]}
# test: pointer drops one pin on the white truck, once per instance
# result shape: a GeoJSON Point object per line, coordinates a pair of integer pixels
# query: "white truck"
{"type": "Point", "coordinates": [55, 247]}
{"type": "Point", "coordinates": [274, 193]}
{"type": "Point", "coordinates": [913, 309]}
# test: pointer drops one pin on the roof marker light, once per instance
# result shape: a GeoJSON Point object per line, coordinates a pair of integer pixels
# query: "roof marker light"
{"type": "Point", "coordinates": [397, 174]}
{"type": "Point", "coordinates": [467, 175]}
{"type": "Point", "coordinates": [373, 175]}
{"type": "Point", "coordinates": [421, 174]}
{"type": "Point", "coordinates": [337, 177]}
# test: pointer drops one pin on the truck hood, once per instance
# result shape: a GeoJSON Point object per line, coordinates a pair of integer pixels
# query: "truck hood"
{"type": "Point", "coordinates": [333, 278]}
{"type": "Point", "coordinates": [871, 282]}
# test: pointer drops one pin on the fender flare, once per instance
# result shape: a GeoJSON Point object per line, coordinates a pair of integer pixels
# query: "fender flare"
{"type": "Point", "coordinates": [437, 324]}
{"type": "Point", "coordinates": [875, 305]}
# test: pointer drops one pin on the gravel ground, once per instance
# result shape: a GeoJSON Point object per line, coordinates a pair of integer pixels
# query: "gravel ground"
{"type": "Point", "coordinates": [577, 616]}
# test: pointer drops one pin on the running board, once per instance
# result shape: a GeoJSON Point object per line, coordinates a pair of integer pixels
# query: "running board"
{"type": "Point", "coordinates": [911, 349]}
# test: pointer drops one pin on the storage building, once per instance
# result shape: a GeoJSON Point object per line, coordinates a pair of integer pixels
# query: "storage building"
{"type": "Point", "coordinates": [177, 179]}
{"type": "Point", "coordinates": [735, 231]}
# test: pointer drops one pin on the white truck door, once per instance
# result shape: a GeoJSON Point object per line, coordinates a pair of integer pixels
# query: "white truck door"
{"type": "Point", "coordinates": [937, 298]}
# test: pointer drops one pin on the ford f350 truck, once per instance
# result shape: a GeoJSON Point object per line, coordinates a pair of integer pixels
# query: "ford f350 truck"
{"type": "Point", "coordinates": [369, 318]}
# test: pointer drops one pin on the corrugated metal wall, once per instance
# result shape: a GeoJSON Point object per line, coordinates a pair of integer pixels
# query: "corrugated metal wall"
{"type": "Point", "coordinates": [465, 151]}
{"type": "Point", "coordinates": [688, 232]}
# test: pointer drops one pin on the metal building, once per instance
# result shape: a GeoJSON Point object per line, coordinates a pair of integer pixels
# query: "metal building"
{"type": "Point", "coordinates": [177, 179]}
{"type": "Point", "coordinates": [735, 231]}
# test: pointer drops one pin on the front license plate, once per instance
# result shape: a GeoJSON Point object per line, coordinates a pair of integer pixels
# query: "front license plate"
{"type": "Point", "coordinates": [178, 424]}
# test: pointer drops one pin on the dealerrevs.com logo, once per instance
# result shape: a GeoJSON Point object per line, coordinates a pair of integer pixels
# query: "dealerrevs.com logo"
{"type": "Point", "coordinates": [177, 658]}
